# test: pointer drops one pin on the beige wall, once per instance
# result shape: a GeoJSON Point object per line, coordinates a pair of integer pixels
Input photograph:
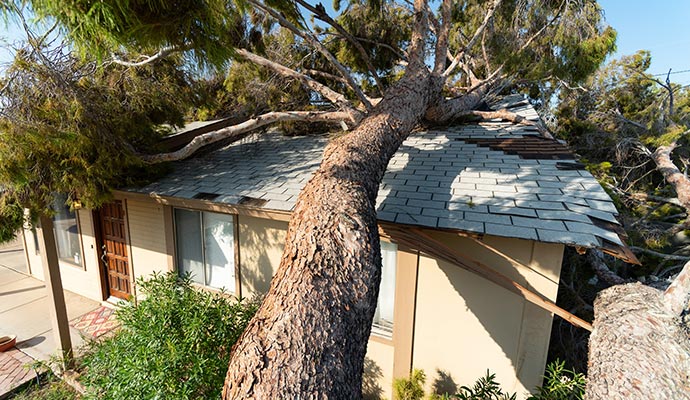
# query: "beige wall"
{"type": "Point", "coordinates": [83, 280]}
{"type": "Point", "coordinates": [147, 237]}
{"type": "Point", "coordinates": [465, 324]}
{"type": "Point", "coordinates": [261, 243]}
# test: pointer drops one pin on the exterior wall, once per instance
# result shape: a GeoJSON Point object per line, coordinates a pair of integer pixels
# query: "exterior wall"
{"type": "Point", "coordinates": [84, 280]}
{"type": "Point", "coordinates": [449, 322]}
{"type": "Point", "coordinates": [465, 324]}
{"type": "Point", "coordinates": [147, 237]}
{"type": "Point", "coordinates": [261, 243]}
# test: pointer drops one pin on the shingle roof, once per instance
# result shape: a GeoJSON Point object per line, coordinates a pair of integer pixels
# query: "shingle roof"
{"type": "Point", "coordinates": [441, 178]}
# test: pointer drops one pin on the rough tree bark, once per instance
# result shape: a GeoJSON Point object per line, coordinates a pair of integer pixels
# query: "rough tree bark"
{"type": "Point", "coordinates": [308, 339]}
{"type": "Point", "coordinates": [664, 164]}
{"type": "Point", "coordinates": [640, 347]}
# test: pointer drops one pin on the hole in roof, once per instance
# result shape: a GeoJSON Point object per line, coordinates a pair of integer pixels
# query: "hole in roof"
{"type": "Point", "coordinates": [205, 196]}
{"type": "Point", "coordinates": [251, 201]}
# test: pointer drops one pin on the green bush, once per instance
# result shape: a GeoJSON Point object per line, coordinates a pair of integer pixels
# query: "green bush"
{"type": "Point", "coordinates": [410, 389]}
{"type": "Point", "coordinates": [560, 384]}
{"type": "Point", "coordinates": [485, 388]}
{"type": "Point", "coordinates": [174, 344]}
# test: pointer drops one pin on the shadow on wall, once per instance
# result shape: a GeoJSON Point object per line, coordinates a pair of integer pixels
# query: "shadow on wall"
{"type": "Point", "coordinates": [261, 247]}
{"type": "Point", "coordinates": [443, 383]}
{"type": "Point", "coordinates": [370, 380]}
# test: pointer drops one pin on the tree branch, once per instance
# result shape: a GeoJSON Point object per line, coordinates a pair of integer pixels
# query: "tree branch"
{"type": "Point", "coordinates": [320, 13]}
{"type": "Point", "coordinates": [487, 17]}
{"type": "Point", "coordinates": [162, 53]}
{"type": "Point", "coordinates": [442, 38]}
{"type": "Point", "coordinates": [671, 173]}
{"type": "Point", "coordinates": [596, 260]}
{"type": "Point", "coordinates": [244, 127]}
{"type": "Point", "coordinates": [314, 42]}
{"type": "Point", "coordinates": [676, 295]}
{"type": "Point", "coordinates": [660, 255]}
{"type": "Point", "coordinates": [333, 96]}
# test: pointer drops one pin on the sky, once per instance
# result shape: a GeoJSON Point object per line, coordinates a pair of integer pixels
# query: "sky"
{"type": "Point", "coordinates": [660, 26]}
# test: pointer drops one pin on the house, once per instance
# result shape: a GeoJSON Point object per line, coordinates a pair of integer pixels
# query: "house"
{"type": "Point", "coordinates": [474, 220]}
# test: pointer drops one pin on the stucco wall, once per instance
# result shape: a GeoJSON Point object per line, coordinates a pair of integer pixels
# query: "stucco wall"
{"type": "Point", "coordinates": [465, 324]}
{"type": "Point", "coordinates": [261, 246]}
{"type": "Point", "coordinates": [83, 280]}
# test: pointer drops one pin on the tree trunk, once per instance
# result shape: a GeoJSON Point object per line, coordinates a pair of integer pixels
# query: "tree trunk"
{"type": "Point", "coordinates": [309, 337]}
{"type": "Point", "coordinates": [639, 348]}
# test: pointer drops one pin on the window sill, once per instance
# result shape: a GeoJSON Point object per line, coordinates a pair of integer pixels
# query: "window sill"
{"type": "Point", "coordinates": [381, 336]}
{"type": "Point", "coordinates": [71, 264]}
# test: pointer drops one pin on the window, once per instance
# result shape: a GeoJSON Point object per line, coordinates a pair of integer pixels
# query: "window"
{"type": "Point", "coordinates": [66, 228]}
{"type": "Point", "coordinates": [383, 318]}
{"type": "Point", "coordinates": [206, 247]}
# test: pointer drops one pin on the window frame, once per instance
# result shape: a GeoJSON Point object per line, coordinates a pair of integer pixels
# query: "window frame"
{"type": "Point", "coordinates": [379, 332]}
{"type": "Point", "coordinates": [68, 261]}
{"type": "Point", "coordinates": [235, 239]}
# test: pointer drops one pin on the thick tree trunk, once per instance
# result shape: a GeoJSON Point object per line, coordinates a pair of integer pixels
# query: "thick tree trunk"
{"type": "Point", "coordinates": [309, 337]}
{"type": "Point", "coordinates": [639, 348]}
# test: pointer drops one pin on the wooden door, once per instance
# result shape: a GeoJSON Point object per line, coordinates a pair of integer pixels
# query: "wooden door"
{"type": "Point", "coordinates": [114, 255]}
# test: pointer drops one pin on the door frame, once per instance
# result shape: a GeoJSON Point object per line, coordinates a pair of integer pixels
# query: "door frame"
{"type": "Point", "coordinates": [98, 235]}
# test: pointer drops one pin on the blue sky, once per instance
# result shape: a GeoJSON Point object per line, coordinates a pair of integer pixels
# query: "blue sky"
{"type": "Point", "coordinates": [660, 26]}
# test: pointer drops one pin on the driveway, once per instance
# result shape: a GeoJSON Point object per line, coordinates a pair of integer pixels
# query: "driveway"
{"type": "Point", "coordinates": [24, 312]}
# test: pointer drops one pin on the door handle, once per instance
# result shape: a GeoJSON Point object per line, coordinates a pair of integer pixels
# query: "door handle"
{"type": "Point", "coordinates": [104, 255]}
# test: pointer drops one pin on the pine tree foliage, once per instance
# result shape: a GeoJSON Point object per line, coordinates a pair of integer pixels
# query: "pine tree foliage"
{"type": "Point", "coordinates": [69, 126]}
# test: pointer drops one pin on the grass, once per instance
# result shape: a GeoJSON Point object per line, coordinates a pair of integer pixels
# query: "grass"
{"type": "Point", "coordinates": [51, 388]}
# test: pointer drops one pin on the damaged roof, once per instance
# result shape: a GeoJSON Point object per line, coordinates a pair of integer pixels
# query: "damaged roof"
{"type": "Point", "coordinates": [494, 178]}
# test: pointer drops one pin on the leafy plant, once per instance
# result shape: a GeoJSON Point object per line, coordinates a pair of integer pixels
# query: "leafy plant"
{"type": "Point", "coordinates": [174, 344]}
{"type": "Point", "coordinates": [560, 384]}
{"type": "Point", "coordinates": [411, 388]}
{"type": "Point", "coordinates": [486, 388]}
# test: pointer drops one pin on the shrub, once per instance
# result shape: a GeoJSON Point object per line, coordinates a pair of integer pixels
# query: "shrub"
{"type": "Point", "coordinates": [485, 388]}
{"type": "Point", "coordinates": [174, 344]}
{"type": "Point", "coordinates": [410, 389]}
{"type": "Point", "coordinates": [560, 384]}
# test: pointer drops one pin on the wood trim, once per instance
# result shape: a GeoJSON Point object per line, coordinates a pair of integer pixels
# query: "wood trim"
{"type": "Point", "coordinates": [26, 252]}
{"type": "Point", "coordinates": [404, 314]}
{"type": "Point", "coordinates": [98, 242]}
{"type": "Point", "coordinates": [169, 227]}
{"type": "Point", "coordinates": [205, 205]}
{"type": "Point", "coordinates": [238, 271]}
{"type": "Point", "coordinates": [128, 239]}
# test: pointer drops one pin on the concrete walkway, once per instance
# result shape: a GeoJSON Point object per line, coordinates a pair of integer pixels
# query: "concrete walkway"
{"type": "Point", "coordinates": [24, 312]}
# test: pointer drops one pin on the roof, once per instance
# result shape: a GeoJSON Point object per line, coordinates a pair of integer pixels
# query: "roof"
{"type": "Point", "coordinates": [494, 178]}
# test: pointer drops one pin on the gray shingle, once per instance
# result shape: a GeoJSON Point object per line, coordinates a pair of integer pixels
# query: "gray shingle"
{"type": "Point", "coordinates": [580, 239]}
{"type": "Point", "coordinates": [461, 224]}
{"type": "Point", "coordinates": [563, 216]}
{"type": "Point", "coordinates": [488, 218]}
{"type": "Point", "coordinates": [512, 231]}
{"type": "Point", "coordinates": [416, 220]}
{"type": "Point", "coordinates": [526, 212]}
{"type": "Point", "coordinates": [538, 223]}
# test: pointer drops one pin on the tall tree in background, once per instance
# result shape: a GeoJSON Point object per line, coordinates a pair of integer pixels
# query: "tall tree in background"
{"type": "Point", "coordinates": [308, 339]}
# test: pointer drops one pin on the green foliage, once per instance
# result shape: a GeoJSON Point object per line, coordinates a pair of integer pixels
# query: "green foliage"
{"type": "Point", "coordinates": [11, 218]}
{"type": "Point", "coordinates": [52, 388]}
{"type": "Point", "coordinates": [411, 388]}
{"type": "Point", "coordinates": [69, 129]}
{"type": "Point", "coordinates": [174, 344]}
{"type": "Point", "coordinates": [560, 384]}
{"type": "Point", "coordinates": [485, 388]}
